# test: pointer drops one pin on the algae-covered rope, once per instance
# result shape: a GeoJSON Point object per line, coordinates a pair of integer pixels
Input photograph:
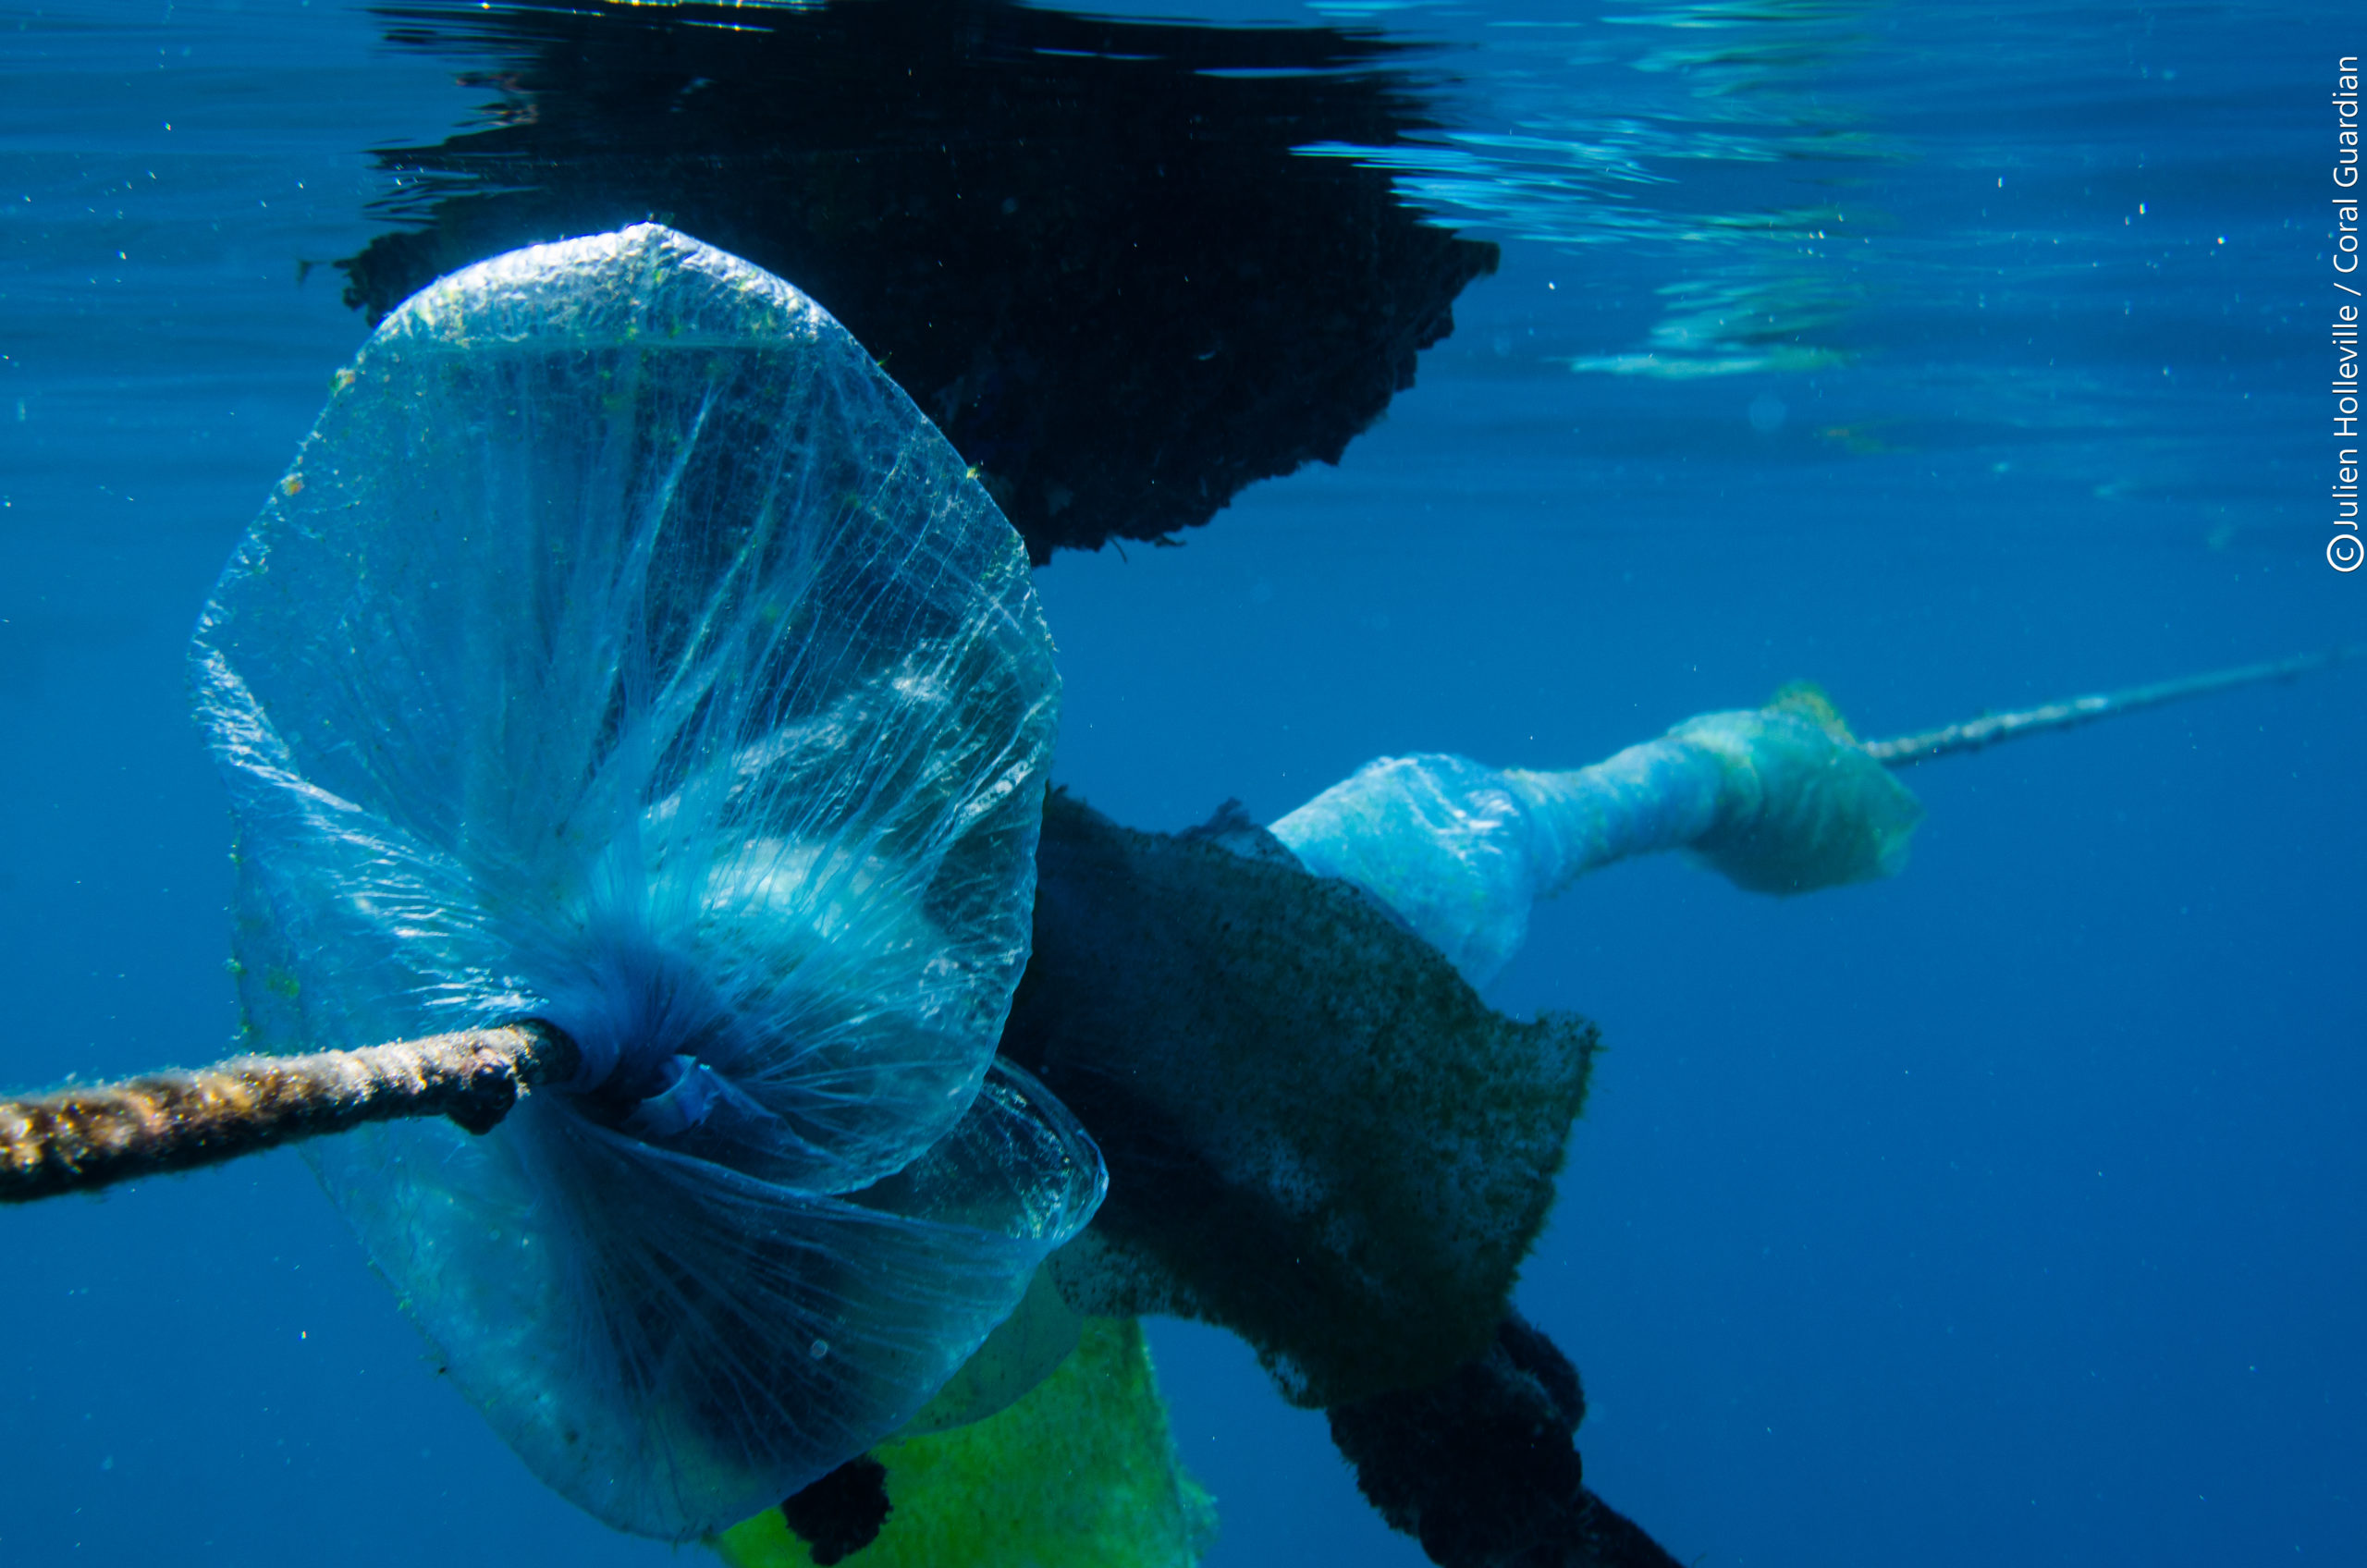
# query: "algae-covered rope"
{"type": "Point", "coordinates": [1905, 751]}
{"type": "Point", "coordinates": [79, 1139]}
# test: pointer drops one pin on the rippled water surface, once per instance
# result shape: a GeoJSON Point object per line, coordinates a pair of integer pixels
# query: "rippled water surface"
{"type": "Point", "coordinates": [1954, 358]}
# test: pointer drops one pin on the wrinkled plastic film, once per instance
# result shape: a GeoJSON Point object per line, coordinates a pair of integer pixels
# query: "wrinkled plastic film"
{"type": "Point", "coordinates": [1440, 840]}
{"type": "Point", "coordinates": [625, 650]}
{"type": "Point", "coordinates": [1082, 1471]}
{"type": "Point", "coordinates": [667, 1343]}
{"type": "Point", "coordinates": [1808, 808]}
{"type": "Point", "coordinates": [1779, 800]}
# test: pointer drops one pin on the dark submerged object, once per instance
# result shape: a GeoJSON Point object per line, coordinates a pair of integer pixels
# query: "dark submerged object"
{"type": "Point", "coordinates": [840, 1513]}
{"type": "Point", "coordinates": [1317, 1136]}
{"type": "Point", "coordinates": [1480, 1467]}
{"type": "Point", "coordinates": [1085, 247]}
{"type": "Point", "coordinates": [1320, 1137]}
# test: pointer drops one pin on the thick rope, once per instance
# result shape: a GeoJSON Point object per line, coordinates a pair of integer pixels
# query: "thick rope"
{"type": "Point", "coordinates": [77, 1140]}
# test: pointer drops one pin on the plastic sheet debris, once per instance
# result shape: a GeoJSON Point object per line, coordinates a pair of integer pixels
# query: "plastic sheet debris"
{"type": "Point", "coordinates": [1080, 1472]}
{"type": "Point", "coordinates": [1780, 800]}
{"type": "Point", "coordinates": [624, 650]}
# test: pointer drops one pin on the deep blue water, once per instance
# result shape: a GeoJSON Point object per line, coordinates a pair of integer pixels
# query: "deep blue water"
{"type": "Point", "coordinates": [2010, 1211]}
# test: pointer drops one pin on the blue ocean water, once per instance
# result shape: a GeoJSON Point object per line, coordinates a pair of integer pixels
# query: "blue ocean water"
{"type": "Point", "coordinates": [1954, 358]}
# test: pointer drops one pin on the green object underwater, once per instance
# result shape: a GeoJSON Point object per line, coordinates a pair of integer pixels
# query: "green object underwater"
{"type": "Point", "coordinates": [1079, 1473]}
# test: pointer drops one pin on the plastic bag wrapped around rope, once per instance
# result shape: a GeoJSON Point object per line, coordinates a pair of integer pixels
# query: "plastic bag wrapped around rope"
{"type": "Point", "coordinates": [625, 650]}
{"type": "Point", "coordinates": [1779, 800]}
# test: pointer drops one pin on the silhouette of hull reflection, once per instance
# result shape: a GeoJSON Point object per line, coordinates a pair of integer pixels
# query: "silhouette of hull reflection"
{"type": "Point", "coordinates": [1085, 247]}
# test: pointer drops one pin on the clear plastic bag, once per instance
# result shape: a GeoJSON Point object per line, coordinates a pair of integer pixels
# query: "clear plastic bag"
{"type": "Point", "coordinates": [625, 650]}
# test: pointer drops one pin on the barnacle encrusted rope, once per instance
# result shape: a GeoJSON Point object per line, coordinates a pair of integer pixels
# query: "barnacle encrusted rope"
{"type": "Point", "coordinates": [1988, 730]}
{"type": "Point", "coordinates": [74, 1140]}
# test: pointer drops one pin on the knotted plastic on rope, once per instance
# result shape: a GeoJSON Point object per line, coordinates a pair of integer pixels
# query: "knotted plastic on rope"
{"type": "Point", "coordinates": [1779, 800]}
{"type": "Point", "coordinates": [624, 650]}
